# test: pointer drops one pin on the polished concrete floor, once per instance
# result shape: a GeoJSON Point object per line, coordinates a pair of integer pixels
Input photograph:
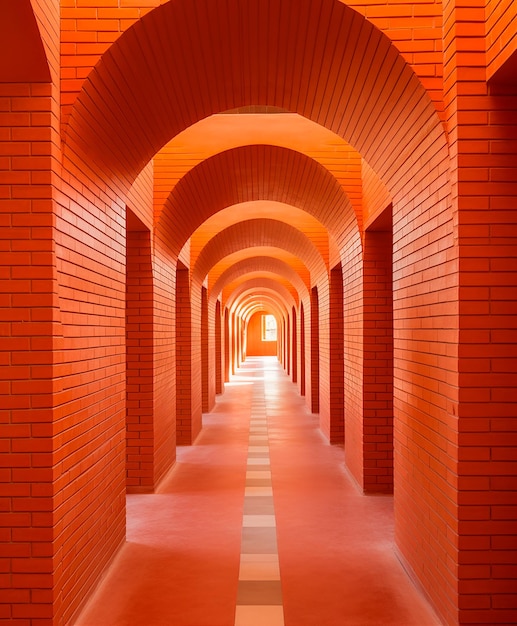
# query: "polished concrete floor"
{"type": "Point", "coordinates": [258, 524]}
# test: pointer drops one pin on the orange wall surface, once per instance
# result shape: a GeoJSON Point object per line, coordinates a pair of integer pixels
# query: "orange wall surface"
{"type": "Point", "coordinates": [255, 346]}
{"type": "Point", "coordinates": [105, 364]}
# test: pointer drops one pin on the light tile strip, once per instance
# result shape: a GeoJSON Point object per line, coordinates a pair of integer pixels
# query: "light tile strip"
{"type": "Point", "coordinates": [259, 596]}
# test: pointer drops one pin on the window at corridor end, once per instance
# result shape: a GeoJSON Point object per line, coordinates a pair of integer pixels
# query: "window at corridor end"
{"type": "Point", "coordinates": [268, 328]}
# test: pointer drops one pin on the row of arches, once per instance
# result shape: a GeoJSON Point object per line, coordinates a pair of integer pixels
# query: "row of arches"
{"type": "Point", "coordinates": [178, 165]}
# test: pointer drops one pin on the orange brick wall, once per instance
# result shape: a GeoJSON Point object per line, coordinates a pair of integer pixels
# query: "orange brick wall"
{"type": "Point", "coordinates": [196, 361]}
{"type": "Point", "coordinates": [286, 356]}
{"type": "Point", "coordinates": [501, 34]}
{"type": "Point", "coordinates": [214, 364]}
{"type": "Point", "coordinates": [219, 348]}
{"type": "Point", "coordinates": [90, 397]}
{"type": "Point", "coordinates": [415, 28]}
{"type": "Point", "coordinates": [71, 284]}
{"type": "Point", "coordinates": [140, 358]}
{"type": "Point", "coordinates": [294, 345]}
{"type": "Point", "coordinates": [425, 353]}
{"type": "Point", "coordinates": [165, 379]}
{"type": "Point", "coordinates": [378, 363]}
{"type": "Point", "coordinates": [30, 330]}
{"type": "Point", "coordinates": [87, 31]}
{"type": "Point", "coordinates": [336, 358]}
{"type": "Point", "coordinates": [315, 353]}
{"type": "Point", "coordinates": [206, 370]}
{"type": "Point", "coordinates": [254, 343]}
{"type": "Point", "coordinates": [183, 357]}
{"type": "Point", "coordinates": [482, 121]}
{"type": "Point", "coordinates": [322, 392]}
{"type": "Point", "coordinates": [375, 195]}
{"type": "Point", "coordinates": [226, 346]}
{"type": "Point", "coordinates": [214, 345]}
{"type": "Point", "coordinates": [303, 352]}
{"type": "Point", "coordinates": [353, 354]}
{"type": "Point", "coordinates": [140, 196]}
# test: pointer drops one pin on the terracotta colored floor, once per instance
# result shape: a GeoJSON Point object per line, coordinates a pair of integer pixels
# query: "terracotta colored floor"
{"type": "Point", "coordinates": [258, 524]}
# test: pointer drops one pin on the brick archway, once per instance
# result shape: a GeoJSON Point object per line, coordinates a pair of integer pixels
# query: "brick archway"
{"type": "Point", "coordinates": [147, 71]}
{"type": "Point", "coordinates": [248, 175]}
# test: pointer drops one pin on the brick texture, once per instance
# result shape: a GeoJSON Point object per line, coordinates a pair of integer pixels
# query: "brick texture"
{"type": "Point", "coordinates": [136, 234]}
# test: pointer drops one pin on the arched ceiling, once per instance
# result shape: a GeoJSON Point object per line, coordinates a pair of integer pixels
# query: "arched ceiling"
{"type": "Point", "coordinates": [259, 232]}
{"type": "Point", "coordinates": [264, 278]}
{"type": "Point", "coordinates": [247, 174]}
{"type": "Point", "coordinates": [336, 105]}
{"type": "Point", "coordinates": [219, 133]}
{"type": "Point", "coordinates": [257, 290]}
{"type": "Point", "coordinates": [298, 273]}
{"type": "Point", "coordinates": [250, 303]}
{"type": "Point", "coordinates": [305, 223]}
{"type": "Point", "coordinates": [259, 265]}
{"type": "Point", "coordinates": [189, 59]}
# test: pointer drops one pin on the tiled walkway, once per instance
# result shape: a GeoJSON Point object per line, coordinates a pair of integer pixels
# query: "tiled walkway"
{"type": "Point", "coordinates": [259, 599]}
{"type": "Point", "coordinates": [258, 524]}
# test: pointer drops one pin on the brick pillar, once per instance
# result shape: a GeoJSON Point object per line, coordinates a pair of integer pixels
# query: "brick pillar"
{"type": "Point", "coordinates": [227, 346]}
{"type": "Point", "coordinates": [183, 357]}
{"type": "Point", "coordinates": [139, 355]}
{"type": "Point", "coordinates": [378, 363]}
{"type": "Point", "coordinates": [30, 334]}
{"type": "Point", "coordinates": [218, 349]}
{"type": "Point", "coordinates": [337, 366]}
{"type": "Point", "coordinates": [294, 345]}
{"type": "Point", "coordinates": [481, 119]}
{"type": "Point", "coordinates": [315, 351]}
{"type": "Point", "coordinates": [302, 351]}
{"type": "Point", "coordinates": [204, 351]}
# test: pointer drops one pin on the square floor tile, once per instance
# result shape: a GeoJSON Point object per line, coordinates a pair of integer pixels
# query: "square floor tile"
{"type": "Point", "coordinates": [261, 570]}
{"type": "Point", "coordinates": [259, 506]}
{"type": "Point", "coordinates": [258, 482]}
{"type": "Point", "coordinates": [255, 520]}
{"type": "Point", "coordinates": [258, 474]}
{"type": "Point", "coordinates": [259, 592]}
{"type": "Point", "coordinates": [258, 461]}
{"type": "Point", "coordinates": [259, 616]}
{"type": "Point", "coordinates": [259, 567]}
{"type": "Point", "coordinates": [258, 541]}
{"type": "Point", "coordinates": [258, 438]}
{"type": "Point", "coordinates": [258, 491]}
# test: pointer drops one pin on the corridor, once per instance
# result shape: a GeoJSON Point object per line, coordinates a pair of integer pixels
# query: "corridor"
{"type": "Point", "coordinates": [258, 524]}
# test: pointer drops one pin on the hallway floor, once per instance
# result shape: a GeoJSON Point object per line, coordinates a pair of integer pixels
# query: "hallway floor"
{"type": "Point", "coordinates": [258, 524]}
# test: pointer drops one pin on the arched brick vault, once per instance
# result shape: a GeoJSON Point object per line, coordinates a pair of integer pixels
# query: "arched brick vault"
{"type": "Point", "coordinates": [418, 46]}
{"type": "Point", "coordinates": [261, 290]}
{"type": "Point", "coordinates": [334, 68]}
{"type": "Point", "coordinates": [278, 254]}
{"type": "Point", "coordinates": [219, 133]}
{"type": "Point", "coordinates": [266, 265]}
{"type": "Point", "coordinates": [259, 232]}
{"type": "Point", "coordinates": [304, 222]}
{"type": "Point", "coordinates": [250, 303]}
{"type": "Point", "coordinates": [267, 276]}
{"type": "Point", "coordinates": [247, 174]}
